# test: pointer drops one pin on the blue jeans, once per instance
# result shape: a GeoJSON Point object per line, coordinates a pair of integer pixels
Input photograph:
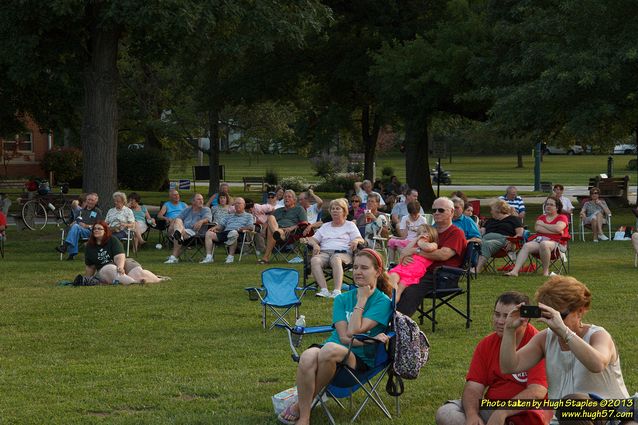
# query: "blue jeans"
{"type": "Point", "coordinates": [73, 238]}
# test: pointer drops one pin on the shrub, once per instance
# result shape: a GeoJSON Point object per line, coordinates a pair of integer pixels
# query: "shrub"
{"type": "Point", "coordinates": [142, 169]}
{"type": "Point", "coordinates": [328, 164]}
{"type": "Point", "coordinates": [355, 167]}
{"type": "Point", "coordinates": [271, 177]}
{"type": "Point", "coordinates": [341, 182]}
{"type": "Point", "coordinates": [387, 172]}
{"type": "Point", "coordinates": [65, 163]}
{"type": "Point", "coordinates": [295, 183]}
{"type": "Point", "coordinates": [631, 165]}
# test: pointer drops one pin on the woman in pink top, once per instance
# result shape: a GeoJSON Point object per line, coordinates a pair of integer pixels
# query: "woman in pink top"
{"type": "Point", "coordinates": [551, 232]}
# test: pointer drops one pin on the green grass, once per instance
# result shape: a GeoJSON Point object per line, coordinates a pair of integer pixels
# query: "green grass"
{"type": "Point", "coordinates": [466, 170]}
{"type": "Point", "coordinates": [192, 351]}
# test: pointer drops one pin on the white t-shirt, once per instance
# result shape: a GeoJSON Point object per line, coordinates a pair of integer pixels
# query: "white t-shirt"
{"type": "Point", "coordinates": [312, 213]}
{"type": "Point", "coordinates": [412, 226]}
{"type": "Point", "coordinates": [335, 238]}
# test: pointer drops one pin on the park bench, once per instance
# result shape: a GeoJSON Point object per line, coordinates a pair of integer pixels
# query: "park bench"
{"type": "Point", "coordinates": [612, 189]}
{"type": "Point", "coordinates": [254, 181]}
{"type": "Point", "coordinates": [11, 185]}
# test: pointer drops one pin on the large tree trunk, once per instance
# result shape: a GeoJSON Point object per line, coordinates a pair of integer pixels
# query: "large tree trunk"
{"type": "Point", "coordinates": [213, 152]}
{"type": "Point", "coordinates": [417, 159]}
{"type": "Point", "coordinates": [369, 136]}
{"type": "Point", "coordinates": [99, 120]}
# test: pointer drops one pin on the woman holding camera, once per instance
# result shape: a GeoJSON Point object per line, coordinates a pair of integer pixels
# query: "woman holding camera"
{"type": "Point", "coordinates": [580, 357]}
{"type": "Point", "coordinates": [552, 232]}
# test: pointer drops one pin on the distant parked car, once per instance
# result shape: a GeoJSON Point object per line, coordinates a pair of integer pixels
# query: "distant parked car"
{"type": "Point", "coordinates": [624, 149]}
{"type": "Point", "coordinates": [135, 146]}
{"type": "Point", "coordinates": [559, 150]}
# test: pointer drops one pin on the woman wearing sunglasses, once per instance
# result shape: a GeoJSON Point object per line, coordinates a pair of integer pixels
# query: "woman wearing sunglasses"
{"type": "Point", "coordinates": [594, 213]}
{"type": "Point", "coordinates": [579, 357]}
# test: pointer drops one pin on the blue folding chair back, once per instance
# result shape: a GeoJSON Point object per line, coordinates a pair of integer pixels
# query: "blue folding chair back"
{"type": "Point", "coordinates": [278, 294]}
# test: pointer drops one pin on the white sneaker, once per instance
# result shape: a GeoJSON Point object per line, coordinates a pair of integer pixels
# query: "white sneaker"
{"type": "Point", "coordinates": [207, 259]}
{"type": "Point", "coordinates": [335, 293]}
{"type": "Point", "coordinates": [171, 260]}
{"type": "Point", "coordinates": [563, 256]}
{"type": "Point", "coordinates": [324, 293]}
{"type": "Point", "coordinates": [230, 259]}
{"type": "Point", "coordinates": [603, 237]}
{"type": "Point", "coordinates": [553, 274]}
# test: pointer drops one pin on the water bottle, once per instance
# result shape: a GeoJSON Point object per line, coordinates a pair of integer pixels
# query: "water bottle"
{"type": "Point", "coordinates": [297, 332]}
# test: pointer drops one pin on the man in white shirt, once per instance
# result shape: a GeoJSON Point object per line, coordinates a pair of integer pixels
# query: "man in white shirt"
{"type": "Point", "coordinates": [364, 189]}
{"type": "Point", "coordinates": [567, 204]}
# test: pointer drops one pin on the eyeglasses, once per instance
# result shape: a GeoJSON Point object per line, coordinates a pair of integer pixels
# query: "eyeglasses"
{"type": "Point", "coordinates": [98, 228]}
{"type": "Point", "coordinates": [438, 210]}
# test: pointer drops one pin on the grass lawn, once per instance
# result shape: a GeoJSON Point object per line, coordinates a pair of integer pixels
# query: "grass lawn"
{"type": "Point", "coordinates": [466, 170]}
{"type": "Point", "coordinates": [192, 351]}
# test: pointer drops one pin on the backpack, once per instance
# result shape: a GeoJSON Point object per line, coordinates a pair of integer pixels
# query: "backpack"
{"type": "Point", "coordinates": [410, 350]}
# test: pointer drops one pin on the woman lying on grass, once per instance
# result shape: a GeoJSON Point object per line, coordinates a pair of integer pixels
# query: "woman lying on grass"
{"type": "Point", "coordinates": [104, 259]}
{"type": "Point", "coordinates": [366, 310]}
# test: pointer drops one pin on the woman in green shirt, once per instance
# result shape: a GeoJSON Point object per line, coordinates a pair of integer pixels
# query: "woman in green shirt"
{"type": "Point", "coordinates": [366, 310]}
{"type": "Point", "coordinates": [105, 259]}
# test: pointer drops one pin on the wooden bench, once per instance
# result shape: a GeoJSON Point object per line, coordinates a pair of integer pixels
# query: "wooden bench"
{"type": "Point", "coordinates": [254, 181]}
{"type": "Point", "coordinates": [11, 185]}
{"type": "Point", "coordinates": [613, 190]}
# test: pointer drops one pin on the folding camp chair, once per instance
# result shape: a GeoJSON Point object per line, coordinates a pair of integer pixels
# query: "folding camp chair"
{"type": "Point", "coordinates": [278, 294]}
{"type": "Point", "coordinates": [377, 241]}
{"type": "Point", "coordinates": [327, 271]}
{"type": "Point", "coordinates": [290, 248]}
{"type": "Point", "coordinates": [446, 288]}
{"type": "Point", "coordinates": [194, 245]}
{"type": "Point", "coordinates": [347, 381]}
{"type": "Point", "coordinates": [505, 254]}
{"type": "Point", "coordinates": [558, 260]}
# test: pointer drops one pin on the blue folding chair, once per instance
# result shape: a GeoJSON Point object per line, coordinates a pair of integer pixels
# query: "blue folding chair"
{"type": "Point", "coordinates": [278, 294]}
{"type": "Point", "coordinates": [346, 380]}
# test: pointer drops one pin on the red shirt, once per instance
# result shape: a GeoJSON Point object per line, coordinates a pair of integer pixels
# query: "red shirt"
{"type": "Point", "coordinates": [3, 219]}
{"type": "Point", "coordinates": [485, 369]}
{"type": "Point", "coordinates": [559, 218]}
{"type": "Point", "coordinates": [452, 238]}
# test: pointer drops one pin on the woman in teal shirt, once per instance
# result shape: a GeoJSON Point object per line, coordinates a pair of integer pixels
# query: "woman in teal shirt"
{"type": "Point", "coordinates": [364, 311]}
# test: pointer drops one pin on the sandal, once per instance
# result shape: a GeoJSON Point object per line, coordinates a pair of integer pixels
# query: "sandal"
{"type": "Point", "coordinates": [287, 416]}
{"type": "Point", "coordinates": [262, 261]}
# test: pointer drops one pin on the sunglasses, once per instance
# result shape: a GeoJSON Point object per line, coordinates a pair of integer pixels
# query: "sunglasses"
{"type": "Point", "coordinates": [438, 210]}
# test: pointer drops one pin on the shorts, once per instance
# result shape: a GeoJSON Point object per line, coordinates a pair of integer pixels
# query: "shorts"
{"type": "Point", "coordinates": [129, 265]}
{"type": "Point", "coordinates": [223, 237]}
{"type": "Point", "coordinates": [325, 256]}
{"type": "Point", "coordinates": [412, 273]}
{"type": "Point", "coordinates": [360, 365]}
{"type": "Point", "coordinates": [588, 219]}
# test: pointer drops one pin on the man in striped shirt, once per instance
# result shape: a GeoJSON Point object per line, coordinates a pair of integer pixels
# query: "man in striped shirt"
{"type": "Point", "coordinates": [515, 201]}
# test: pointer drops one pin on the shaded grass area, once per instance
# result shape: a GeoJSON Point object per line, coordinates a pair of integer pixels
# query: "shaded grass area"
{"type": "Point", "coordinates": [192, 351]}
{"type": "Point", "coordinates": [466, 170]}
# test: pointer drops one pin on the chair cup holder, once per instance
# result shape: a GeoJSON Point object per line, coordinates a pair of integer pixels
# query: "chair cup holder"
{"type": "Point", "coordinates": [252, 295]}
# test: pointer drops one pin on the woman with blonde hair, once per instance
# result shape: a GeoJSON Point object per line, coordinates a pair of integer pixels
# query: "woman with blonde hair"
{"type": "Point", "coordinates": [496, 231]}
{"type": "Point", "coordinates": [332, 245]}
{"type": "Point", "coordinates": [579, 357]}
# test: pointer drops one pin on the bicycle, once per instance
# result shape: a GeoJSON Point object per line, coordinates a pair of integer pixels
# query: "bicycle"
{"type": "Point", "coordinates": [35, 212]}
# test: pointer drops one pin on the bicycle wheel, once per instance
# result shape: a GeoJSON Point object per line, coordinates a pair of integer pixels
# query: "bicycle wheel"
{"type": "Point", "coordinates": [63, 214]}
{"type": "Point", "coordinates": [34, 215]}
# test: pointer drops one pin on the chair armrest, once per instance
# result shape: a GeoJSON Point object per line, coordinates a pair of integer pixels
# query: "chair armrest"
{"type": "Point", "coordinates": [255, 293]}
{"type": "Point", "coordinates": [453, 270]}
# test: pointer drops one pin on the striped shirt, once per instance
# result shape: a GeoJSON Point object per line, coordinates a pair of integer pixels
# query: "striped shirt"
{"type": "Point", "coordinates": [517, 203]}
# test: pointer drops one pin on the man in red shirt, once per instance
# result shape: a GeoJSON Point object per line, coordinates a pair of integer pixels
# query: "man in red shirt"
{"type": "Point", "coordinates": [451, 250]}
{"type": "Point", "coordinates": [484, 380]}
